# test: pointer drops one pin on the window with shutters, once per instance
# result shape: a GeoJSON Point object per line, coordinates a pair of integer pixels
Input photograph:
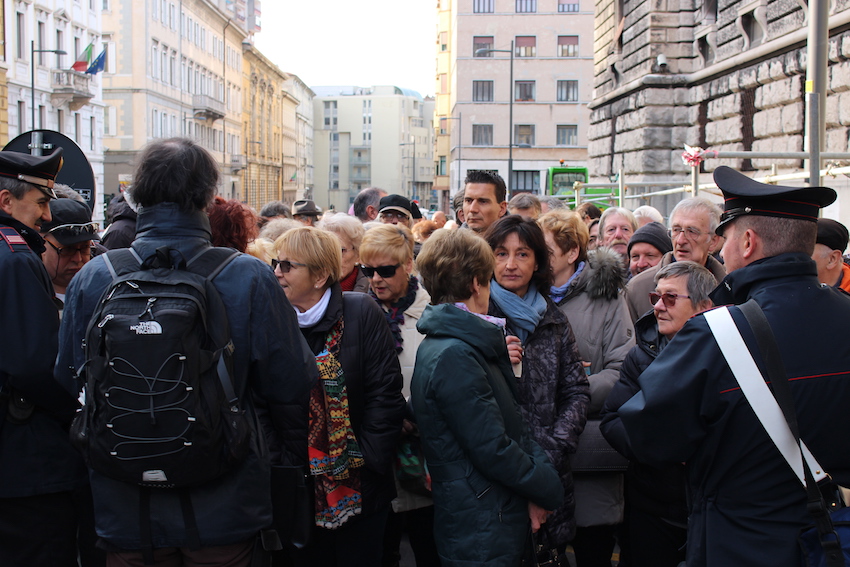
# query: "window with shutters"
{"type": "Point", "coordinates": [525, 46]}
{"type": "Point", "coordinates": [482, 91]}
{"type": "Point", "coordinates": [567, 91]}
{"type": "Point", "coordinates": [567, 46]}
{"type": "Point", "coordinates": [482, 134]}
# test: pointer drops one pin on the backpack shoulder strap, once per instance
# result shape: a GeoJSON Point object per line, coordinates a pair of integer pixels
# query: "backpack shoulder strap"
{"type": "Point", "coordinates": [122, 261]}
{"type": "Point", "coordinates": [211, 261]}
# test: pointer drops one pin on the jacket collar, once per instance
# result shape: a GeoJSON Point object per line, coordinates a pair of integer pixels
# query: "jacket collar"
{"type": "Point", "coordinates": [166, 220]}
{"type": "Point", "coordinates": [421, 300]}
{"type": "Point", "coordinates": [447, 321]}
{"type": "Point", "coordinates": [30, 235]}
{"type": "Point", "coordinates": [739, 285]}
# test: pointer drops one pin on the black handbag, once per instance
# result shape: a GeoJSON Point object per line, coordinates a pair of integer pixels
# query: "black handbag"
{"type": "Point", "coordinates": [595, 454]}
{"type": "Point", "coordinates": [293, 504]}
{"type": "Point", "coordinates": [540, 551]}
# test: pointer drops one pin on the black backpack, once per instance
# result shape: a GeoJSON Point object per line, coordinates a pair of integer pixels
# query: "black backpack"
{"type": "Point", "coordinates": [160, 405]}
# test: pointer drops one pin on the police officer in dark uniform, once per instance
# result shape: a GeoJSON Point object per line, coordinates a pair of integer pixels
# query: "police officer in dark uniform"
{"type": "Point", "coordinates": [40, 473]}
{"type": "Point", "coordinates": [747, 506]}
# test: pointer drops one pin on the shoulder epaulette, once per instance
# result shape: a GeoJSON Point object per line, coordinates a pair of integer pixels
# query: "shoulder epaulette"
{"type": "Point", "coordinates": [13, 240]}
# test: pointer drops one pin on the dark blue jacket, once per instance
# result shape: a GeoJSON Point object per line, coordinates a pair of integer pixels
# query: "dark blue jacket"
{"type": "Point", "coordinates": [484, 465]}
{"type": "Point", "coordinates": [656, 490]}
{"type": "Point", "coordinates": [747, 505]}
{"type": "Point", "coordinates": [268, 355]}
{"type": "Point", "coordinates": [36, 457]}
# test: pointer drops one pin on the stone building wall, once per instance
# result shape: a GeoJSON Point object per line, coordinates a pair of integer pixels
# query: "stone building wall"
{"type": "Point", "coordinates": [734, 80]}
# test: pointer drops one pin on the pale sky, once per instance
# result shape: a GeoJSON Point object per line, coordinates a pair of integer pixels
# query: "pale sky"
{"type": "Point", "coordinates": [353, 42]}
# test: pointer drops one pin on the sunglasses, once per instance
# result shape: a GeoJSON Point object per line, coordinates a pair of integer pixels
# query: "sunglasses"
{"type": "Point", "coordinates": [76, 229]}
{"type": "Point", "coordinates": [285, 265]}
{"type": "Point", "coordinates": [668, 298]}
{"type": "Point", "coordinates": [68, 252]}
{"type": "Point", "coordinates": [383, 271]}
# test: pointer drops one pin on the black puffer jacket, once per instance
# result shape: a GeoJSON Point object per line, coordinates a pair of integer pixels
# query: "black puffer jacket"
{"type": "Point", "coordinates": [122, 230]}
{"type": "Point", "coordinates": [553, 394]}
{"type": "Point", "coordinates": [659, 491]}
{"type": "Point", "coordinates": [373, 380]}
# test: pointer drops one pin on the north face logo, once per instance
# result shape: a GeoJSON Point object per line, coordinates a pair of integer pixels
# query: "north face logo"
{"type": "Point", "coordinates": [147, 328]}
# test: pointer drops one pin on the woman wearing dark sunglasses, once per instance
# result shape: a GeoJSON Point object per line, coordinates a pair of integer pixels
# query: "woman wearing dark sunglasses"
{"type": "Point", "coordinates": [656, 512]}
{"type": "Point", "coordinates": [356, 407]}
{"type": "Point", "coordinates": [386, 257]}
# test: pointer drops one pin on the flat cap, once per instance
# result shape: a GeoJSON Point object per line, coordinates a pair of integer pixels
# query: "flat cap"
{"type": "Point", "coordinates": [37, 170]}
{"type": "Point", "coordinates": [832, 234]}
{"type": "Point", "coordinates": [305, 207]}
{"type": "Point", "coordinates": [745, 196]}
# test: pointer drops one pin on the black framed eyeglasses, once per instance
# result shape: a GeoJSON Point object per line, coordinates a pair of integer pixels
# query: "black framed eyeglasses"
{"type": "Point", "coordinates": [69, 252]}
{"type": "Point", "coordinates": [389, 215]}
{"type": "Point", "coordinates": [285, 265]}
{"type": "Point", "coordinates": [383, 271]}
{"type": "Point", "coordinates": [76, 229]}
{"type": "Point", "coordinates": [668, 298]}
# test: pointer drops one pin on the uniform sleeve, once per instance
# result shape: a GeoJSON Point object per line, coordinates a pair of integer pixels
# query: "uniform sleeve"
{"type": "Point", "coordinates": [463, 394]}
{"type": "Point", "coordinates": [666, 420]}
{"type": "Point", "coordinates": [617, 340]}
{"type": "Point", "coordinates": [383, 403]}
{"type": "Point", "coordinates": [612, 426]}
{"type": "Point", "coordinates": [30, 323]}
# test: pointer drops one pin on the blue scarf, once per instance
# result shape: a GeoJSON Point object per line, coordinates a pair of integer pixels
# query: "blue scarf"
{"type": "Point", "coordinates": [523, 313]}
{"type": "Point", "coordinates": [558, 293]}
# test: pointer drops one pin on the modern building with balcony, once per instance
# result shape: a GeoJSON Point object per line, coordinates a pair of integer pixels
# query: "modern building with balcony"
{"type": "Point", "coordinates": [552, 86]}
{"type": "Point", "coordinates": [371, 137]}
{"type": "Point", "coordinates": [175, 69]}
{"type": "Point", "coordinates": [66, 101]}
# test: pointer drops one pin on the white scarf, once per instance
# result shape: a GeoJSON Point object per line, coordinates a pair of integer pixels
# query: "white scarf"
{"type": "Point", "coordinates": [315, 313]}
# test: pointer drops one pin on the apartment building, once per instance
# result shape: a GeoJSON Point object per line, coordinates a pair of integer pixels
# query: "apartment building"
{"type": "Point", "coordinates": [62, 100]}
{"type": "Point", "coordinates": [371, 137]}
{"type": "Point", "coordinates": [174, 68]}
{"type": "Point", "coordinates": [545, 84]}
{"type": "Point", "coordinates": [301, 158]}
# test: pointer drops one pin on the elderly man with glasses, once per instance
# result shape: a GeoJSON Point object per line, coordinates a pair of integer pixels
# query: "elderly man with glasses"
{"type": "Point", "coordinates": [41, 472]}
{"type": "Point", "coordinates": [69, 236]}
{"type": "Point", "coordinates": [692, 225]}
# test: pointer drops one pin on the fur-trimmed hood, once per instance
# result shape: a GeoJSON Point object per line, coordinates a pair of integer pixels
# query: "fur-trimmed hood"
{"type": "Point", "coordinates": [603, 276]}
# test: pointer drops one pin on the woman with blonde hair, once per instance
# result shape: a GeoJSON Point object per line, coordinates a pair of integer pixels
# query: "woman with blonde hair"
{"type": "Point", "coordinates": [386, 257]}
{"type": "Point", "coordinates": [356, 407]}
{"type": "Point", "coordinates": [350, 232]}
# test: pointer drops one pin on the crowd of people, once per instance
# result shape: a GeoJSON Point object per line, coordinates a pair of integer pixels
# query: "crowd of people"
{"type": "Point", "coordinates": [454, 380]}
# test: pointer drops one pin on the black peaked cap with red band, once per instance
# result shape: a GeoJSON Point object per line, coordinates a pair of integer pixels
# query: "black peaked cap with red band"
{"type": "Point", "coordinates": [40, 171]}
{"type": "Point", "coordinates": [745, 196]}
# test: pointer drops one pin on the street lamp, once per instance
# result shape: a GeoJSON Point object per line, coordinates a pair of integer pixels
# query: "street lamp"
{"type": "Point", "coordinates": [35, 139]}
{"type": "Point", "coordinates": [484, 51]}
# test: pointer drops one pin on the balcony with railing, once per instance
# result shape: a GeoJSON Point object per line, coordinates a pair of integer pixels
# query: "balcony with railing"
{"type": "Point", "coordinates": [70, 86]}
{"type": "Point", "coordinates": [207, 108]}
{"type": "Point", "coordinates": [237, 162]}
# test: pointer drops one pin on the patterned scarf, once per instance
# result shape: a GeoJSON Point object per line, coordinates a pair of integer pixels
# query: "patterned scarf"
{"type": "Point", "coordinates": [333, 451]}
{"type": "Point", "coordinates": [395, 312]}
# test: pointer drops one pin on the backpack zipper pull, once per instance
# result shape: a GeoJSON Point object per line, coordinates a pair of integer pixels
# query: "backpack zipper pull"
{"type": "Point", "coordinates": [147, 310]}
{"type": "Point", "coordinates": [105, 320]}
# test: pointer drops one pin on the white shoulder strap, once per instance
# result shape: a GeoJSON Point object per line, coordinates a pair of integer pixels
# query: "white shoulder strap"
{"type": "Point", "coordinates": [759, 396]}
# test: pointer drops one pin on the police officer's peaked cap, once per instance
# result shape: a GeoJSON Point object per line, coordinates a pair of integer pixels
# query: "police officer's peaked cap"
{"type": "Point", "coordinates": [745, 196]}
{"type": "Point", "coordinates": [37, 170]}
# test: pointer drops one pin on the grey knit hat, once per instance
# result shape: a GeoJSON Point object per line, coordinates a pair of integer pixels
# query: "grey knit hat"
{"type": "Point", "coordinates": [652, 233]}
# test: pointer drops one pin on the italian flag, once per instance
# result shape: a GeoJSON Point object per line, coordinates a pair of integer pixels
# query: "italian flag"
{"type": "Point", "coordinates": [83, 59]}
